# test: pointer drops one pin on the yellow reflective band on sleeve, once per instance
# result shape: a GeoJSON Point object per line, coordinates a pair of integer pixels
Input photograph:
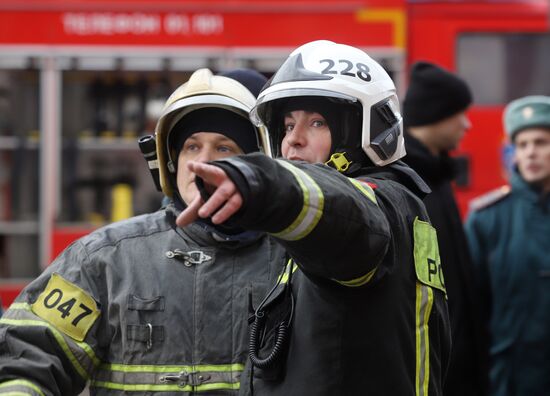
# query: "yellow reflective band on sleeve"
{"type": "Point", "coordinates": [20, 387]}
{"type": "Point", "coordinates": [66, 306]}
{"type": "Point", "coordinates": [312, 208]}
{"type": "Point", "coordinates": [427, 262]}
{"type": "Point", "coordinates": [362, 280]}
{"type": "Point", "coordinates": [365, 189]}
{"type": "Point", "coordinates": [424, 302]}
{"type": "Point", "coordinates": [22, 306]}
{"type": "Point", "coordinates": [14, 316]}
{"type": "Point", "coordinates": [58, 338]}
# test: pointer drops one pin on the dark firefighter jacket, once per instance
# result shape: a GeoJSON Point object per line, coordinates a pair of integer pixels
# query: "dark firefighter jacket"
{"type": "Point", "coordinates": [138, 307]}
{"type": "Point", "coordinates": [369, 314]}
{"type": "Point", "coordinates": [468, 368]}
{"type": "Point", "coordinates": [509, 235]}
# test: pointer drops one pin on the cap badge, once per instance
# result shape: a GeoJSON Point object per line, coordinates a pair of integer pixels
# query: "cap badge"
{"type": "Point", "coordinates": [527, 112]}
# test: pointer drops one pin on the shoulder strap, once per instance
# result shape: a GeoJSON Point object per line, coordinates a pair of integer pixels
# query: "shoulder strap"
{"type": "Point", "coordinates": [490, 198]}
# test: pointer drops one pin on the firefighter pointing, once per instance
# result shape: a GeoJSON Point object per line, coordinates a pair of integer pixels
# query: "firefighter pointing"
{"type": "Point", "coordinates": [360, 306]}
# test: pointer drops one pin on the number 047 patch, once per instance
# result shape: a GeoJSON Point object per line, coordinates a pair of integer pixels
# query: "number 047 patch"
{"type": "Point", "coordinates": [67, 307]}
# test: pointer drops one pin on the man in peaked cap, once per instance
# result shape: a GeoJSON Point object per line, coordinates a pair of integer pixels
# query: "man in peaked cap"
{"type": "Point", "coordinates": [434, 113]}
{"type": "Point", "coordinates": [508, 232]}
{"type": "Point", "coordinates": [530, 117]}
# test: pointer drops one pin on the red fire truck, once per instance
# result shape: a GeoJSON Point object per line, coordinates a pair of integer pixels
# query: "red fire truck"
{"type": "Point", "coordinates": [80, 81]}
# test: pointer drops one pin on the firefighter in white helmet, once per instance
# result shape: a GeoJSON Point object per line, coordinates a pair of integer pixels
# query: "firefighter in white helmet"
{"type": "Point", "coordinates": [142, 305]}
{"type": "Point", "coordinates": [360, 308]}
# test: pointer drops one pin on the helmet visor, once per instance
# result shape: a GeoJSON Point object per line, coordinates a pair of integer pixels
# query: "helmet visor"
{"type": "Point", "coordinates": [261, 113]}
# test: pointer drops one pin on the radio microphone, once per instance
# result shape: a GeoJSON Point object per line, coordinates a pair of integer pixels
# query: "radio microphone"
{"type": "Point", "coordinates": [148, 146]}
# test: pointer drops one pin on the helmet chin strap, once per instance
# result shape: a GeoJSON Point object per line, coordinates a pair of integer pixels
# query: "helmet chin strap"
{"type": "Point", "coordinates": [348, 161]}
{"type": "Point", "coordinates": [178, 200]}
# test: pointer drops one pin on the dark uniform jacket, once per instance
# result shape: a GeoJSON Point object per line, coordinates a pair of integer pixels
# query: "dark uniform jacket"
{"type": "Point", "coordinates": [369, 312]}
{"type": "Point", "coordinates": [468, 369]}
{"type": "Point", "coordinates": [138, 307]}
{"type": "Point", "coordinates": [509, 235]}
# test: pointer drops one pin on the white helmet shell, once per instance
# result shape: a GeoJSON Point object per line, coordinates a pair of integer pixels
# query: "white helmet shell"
{"type": "Point", "coordinates": [341, 72]}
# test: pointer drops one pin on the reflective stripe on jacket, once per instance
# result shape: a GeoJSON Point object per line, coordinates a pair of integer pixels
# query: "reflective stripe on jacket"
{"type": "Point", "coordinates": [171, 304]}
{"type": "Point", "coordinates": [370, 315]}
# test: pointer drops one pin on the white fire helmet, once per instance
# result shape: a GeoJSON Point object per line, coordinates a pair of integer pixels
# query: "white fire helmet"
{"type": "Point", "coordinates": [359, 91]}
{"type": "Point", "coordinates": [203, 90]}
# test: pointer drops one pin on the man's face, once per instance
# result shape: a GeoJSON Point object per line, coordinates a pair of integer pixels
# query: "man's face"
{"type": "Point", "coordinates": [532, 155]}
{"type": "Point", "coordinates": [307, 137]}
{"type": "Point", "coordinates": [449, 132]}
{"type": "Point", "coordinates": [202, 147]}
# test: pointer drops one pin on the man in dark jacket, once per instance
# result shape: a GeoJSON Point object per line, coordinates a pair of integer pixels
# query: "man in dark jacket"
{"type": "Point", "coordinates": [434, 112]}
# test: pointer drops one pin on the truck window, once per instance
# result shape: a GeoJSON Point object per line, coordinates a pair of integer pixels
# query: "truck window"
{"type": "Point", "coordinates": [501, 67]}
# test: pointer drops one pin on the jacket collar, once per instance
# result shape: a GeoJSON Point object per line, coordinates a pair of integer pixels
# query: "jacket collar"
{"type": "Point", "coordinates": [531, 192]}
{"type": "Point", "coordinates": [400, 172]}
{"type": "Point", "coordinates": [433, 169]}
{"type": "Point", "coordinates": [206, 234]}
